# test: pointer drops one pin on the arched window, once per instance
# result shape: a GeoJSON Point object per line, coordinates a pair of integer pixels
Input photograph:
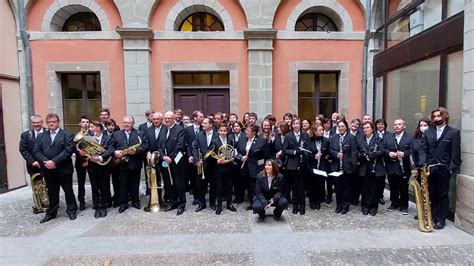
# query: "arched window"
{"type": "Point", "coordinates": [315, 22]}
{"type": "Point", "coordinates": [82, 21]}
{"type": "Point", "coordinates": [201, 21]}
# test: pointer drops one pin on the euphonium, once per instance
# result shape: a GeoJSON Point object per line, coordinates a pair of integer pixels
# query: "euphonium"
{"type": "Point", "coordinates": [126, 152]}
{"type": "Point", "coordinates": [89, 146]}
{"type": "Point", "coordinates": [422, 197]}
{"type": "Point", "coordinates": [155, 195]}
{"type": "Point", "coordinates": [40, 193]}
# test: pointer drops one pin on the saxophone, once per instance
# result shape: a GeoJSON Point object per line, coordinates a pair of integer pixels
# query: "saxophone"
{"type": "Point", "coordinates": [422, 198]}
{"type": "Point", "coordinates": [127, 151]}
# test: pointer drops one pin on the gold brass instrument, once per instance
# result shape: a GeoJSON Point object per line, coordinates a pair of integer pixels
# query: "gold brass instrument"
{"type": "Point", "coordinates": [155, 195]}
{"type": "Point", "coordinates": [422, 198]}
{"type": "Point", "coordinates": [225, 152]}
{"type": "Point", "coordinates": [126, 152]}
{"type": "Point", "coordinates": [89, 146]}
{"type": "Point", "coordinates": [40, 193]}
{"type": "Point", "coordinates": [200, 168]}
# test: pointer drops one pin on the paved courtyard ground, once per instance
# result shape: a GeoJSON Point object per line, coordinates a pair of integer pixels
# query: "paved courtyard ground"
{"type": "Point", "coordinates": [139, 238]}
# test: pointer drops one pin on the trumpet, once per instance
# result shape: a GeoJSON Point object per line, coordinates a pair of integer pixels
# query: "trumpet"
{"type": "Point", "coordinates": [200, 168]}
{"type": "Point", "coordinates": [89, 146]}
{"type": "Point", "coordinates": [126, 152]}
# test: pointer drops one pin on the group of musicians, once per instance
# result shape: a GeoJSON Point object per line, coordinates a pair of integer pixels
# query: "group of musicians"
{"type": "Point", "coordinates": [277, 164]}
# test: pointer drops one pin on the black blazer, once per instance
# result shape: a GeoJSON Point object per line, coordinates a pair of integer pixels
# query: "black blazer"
{"type": "Point", "coordinates": [27, 144]}
{"type": "Point", "coordinates": [200, 146]}
{"type": "Point", "coordinates": [190, 136]}
{"type": "Point", "coordinates": [311, 161]}
{"type": "Point", "coordinates": [257, 155]}
{"type": "Point", "coordinates": [445, 150]}
{"type": "Point", "coordinates": [393, 165]}
{"type": "Point", "coordinates": [415, 149]}
{"type": "Point", "coordinates": [217, 143]}
{"type": "Point", "coordinates": [375, 151]}
{"type": "Point", "coordinates": [152, 140]}
{"type": "Point", "coordinates": [143, 127]}
{"type": "Point", "coordinates": [174, 144]}
{"type": "Point", "coordinates": [135, 161]}
{"type": "Point", "coordinates": [276, 190]}
{"type": "Point", "coordinates": [291, 149]}
{"type": "Point", "coordinates": [349, 150]}
{"type": "Point", "coordinates": [59, 151]}
{"type": "Point", "coordinates": [109, 145]}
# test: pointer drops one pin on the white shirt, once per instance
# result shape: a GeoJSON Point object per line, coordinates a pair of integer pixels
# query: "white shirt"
{"type": "Point", "coordinates": [297, 136]}
{"type": "Point", "coordinates": [398, 137]}
{"type": "Point", "coordinates": [53, 134]}
{"type": "Point", "coordinates": [327, 134]}
{"type": "Point", "coordinates": [381, 133]}
{"type": "Point", "coordinates": [196, 128]}
{"type": "Point", "coordinates": [99, 138]}
{"type": "Point", "coordinates": [223, 140]}
{"type": "Point", "coordinates": [209, 137]}
{"type": "Point", "coordinates": [149, 124]}
{"type": "Point", "coordinates": [269, 182]}
{"type": "Point", "coordinates": [249, 144]}
{"type": "Point", "coordinates": [439, 131]}
{"type": "Point", "coordinates": [237, 137]}
{"type": "Point", "coordinates": [169, 130]}
{"type": "Point", "coordinates": [38, 132]}
{"type": "Point", "coordinates": [127, 134]}
{"type": "Point", "coordinates": [157, 131]}
{"type": "Point", "coordinates": [369, 139]}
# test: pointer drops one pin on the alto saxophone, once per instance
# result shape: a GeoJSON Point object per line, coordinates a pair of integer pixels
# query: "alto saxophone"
{"type": "Point", "coordinates": [422, 198]}
{"type": "Point", "coordinates": [126, 152]}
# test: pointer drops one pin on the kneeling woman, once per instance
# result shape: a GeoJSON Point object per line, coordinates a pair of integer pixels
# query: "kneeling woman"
{"type": "Point", "coordinates": [99, 174]}
{"type": "Point", "coordinates": [270, 190]}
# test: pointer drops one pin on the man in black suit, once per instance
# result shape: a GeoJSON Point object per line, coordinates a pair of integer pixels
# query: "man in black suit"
{"type": "Point", "coordinates": [112, 127]}
{"type": "Point", "coordinates": [104, 115]}
{"type": "Point", "coordinates": [191, 132]}
{"type": "Point", "coordinates": [81, 166]}
{"type": "Point", "coordinates": [398, 166]}
{"type": "Point", "coordinates": [27, 143]}
{"type": "Point", "coordinates": [155, 134]}
{"type": "Point", "coordinates": [441, 147]}
{"type": "Point", "coordinates": [53, 150]}
{"type": "Point", "coordinates": [387, 138]}
{"type": "Point", "coordinates": [142, 128]}
{"type": "Point", "coordinates": [252, 151]}
{"type": "Point", "coordinates": [201, 145]}
{"type": "Point", "coordinates": [356, 180]}
{"type": "Point", "coordinates": [136, 144]}
{"type": "Point", "coordinates": [172, 150]}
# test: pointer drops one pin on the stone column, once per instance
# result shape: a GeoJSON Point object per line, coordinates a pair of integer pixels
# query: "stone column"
{"type": "Point", "coordinates": [260, 53]}
{"type": "Point", "coordinates": [464, 217]}
{"type": "Point", "coordinates": [136, 50]}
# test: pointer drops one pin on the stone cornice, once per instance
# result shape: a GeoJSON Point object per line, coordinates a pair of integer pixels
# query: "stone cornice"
{"type": "Point", "coordinates": [260, 33]}
{"type": "Point", "coordinates": [135, 33]}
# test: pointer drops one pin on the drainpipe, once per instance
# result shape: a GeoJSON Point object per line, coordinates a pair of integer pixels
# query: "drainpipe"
{"type": "Point", "coordinates": [27, 96]}
{"type": "Point", "coordinates": [365, 54]}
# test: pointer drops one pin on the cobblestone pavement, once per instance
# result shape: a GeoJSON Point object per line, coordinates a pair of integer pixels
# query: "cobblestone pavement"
{"type": "Point", "coordinates": [139, 238]}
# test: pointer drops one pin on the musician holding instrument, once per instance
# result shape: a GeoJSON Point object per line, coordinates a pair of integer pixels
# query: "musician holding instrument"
{"type": "Point", "coordinates": [441, 146]}
{"type": "Point", "coordinates": [27, 143]}
{"type": "Point", "coordinates": [205, 164]}
{"type": "Point", "coordinates": [343, 153]}
{"type": "Point", "coordinates": [224, 153]}
{"type": "Point", "coordinates": [53, 150]}
{"type": "Point", "coordinates": [172, 150]}
{"type": "Point", "coordinates": [130, 145]}
{"type": "Point", "coordinates": [371, 168]}
{"type": "Point", "coordinates": [111, 126]}
{"type": "Point", "coordinates": [80, 165]}
{"type": "Point", "coordinates": [318, 165]}
{"type": "Point", "coordinates": [97, 168]}
{"type": "Point", "coordinates": [191, 170]}
{"type": "Point", "coordinates": [155, 134]}
{"type": "Point", "coordinates": [238, 184]}
{"type": "Point", "coordinates": [398, 167]}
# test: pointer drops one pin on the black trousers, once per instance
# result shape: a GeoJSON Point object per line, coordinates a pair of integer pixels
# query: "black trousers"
{"type": "Point", "coordinates": [370, 190]}
{"type": "Point", "coordinates": [81, 180]}
{"type": "Point", "coordinates": [238, 183]}
{"type": "Point", "coordinates": [316, 191]}
{"type": "Point", "coordinates": [259, 204]}
{"type": "Point", "coordinates": [191, 173]}
{"type": "Point", "coordinates": [145, 163]}
{"type": "Point", "coordinates": [298, 187]}
{"type": "Point", "coordinates": [99, 177]}
{"type": "Point", "coordinates": [439, 188]}
{"type": "Point", "coordinates": [342, 185]}
{"type": "Point", "coordinates": [55, 180]}
{"type": "Point", "coordinates": [223, 184]}
{"type": "Point", "coordinates": [356, 187]}
{"type": "Point", "coordinates": [202, 185]}
{"type": "Point", "coordinates": [175, 193]}
{"type": "Point", "coordinates": [249, 185]}
{"type": "Point", "coordinates": [398, 191]}
{"type": "Point", "coordinates": [115, 171]}
{"type": "Point", "coordinates": [129, 183]}
{"type": "Point", "coordinates": [329, 188]}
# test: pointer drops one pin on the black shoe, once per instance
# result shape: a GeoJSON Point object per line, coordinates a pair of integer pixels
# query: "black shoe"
{"type": "Point", "coordinates": [312, 206]}
{"type": "Point", "coordinates": [338, 209]}
{"type": "Point", "coordinates": [82, 206]}
{"type": "Point", "coordinates": [47, 218]}
{"type": "Point", "coordinates": [72, 216]}
{"type": "Point", "coordinates": [317, 206]}
{"type": "Point", "coordinates": [261, 215]}
{"type": "Point", "coordinates": [219, 210]}
{"type": "Point", "coordinates": [136, 205]}
{"type": "Point", "coordinates": [97, 213]}
{"type": "Point", "coordinates": [200, 208]}
{"type": "Point", "coordinates": [115, 204]}
{"type": "Point", "coordinates": [404, 211]}
{"type": "Point", "coordinates": [295, 209]}
{"type": "Point", "coordinates": [392, 208]}
{"type": "Point", "coordinates": [365, 211]}
{"type": "Point", "coordinates": [249, 208]}
{"type": "Point", "coordinates": [123, 208]}
{"type": "Point", "coordinates": [373, 212]}
{"type": "Point", "coordinates": [276, 218]}
{"type": "Point", "coordinates": [103, 213]}
{"type": "Point", "coordinates": [355, 202]}
{"type": "Point", "coordinates": [171, 207]}
{"type": "Point", "coordinates": [36, 210]}
{"type": "Point", "coordinates": [231, 207]}
{"type": "Point", "coordinates": [328, 201]}
{"type": "Point", "coordinates": [180, 211]}
{"type": "Point", "coordinates": [344, 210]}
{"type": "Point", "coordinates": [302, 210]}
{"type": "Point", "coordinates": [439, 225]}
{"type": "Point", "coordinates": [195, 202]}
{"type": "Point", "coordinates": [212, 206]}
{"type": "Point", "coordinates": [415, 217]}
{"type": "Point", "coordinates": [382, 201]}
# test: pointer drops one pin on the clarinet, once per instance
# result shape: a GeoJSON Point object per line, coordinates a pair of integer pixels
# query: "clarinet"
{"type": "Point", "coordinates": [341, 151]}
{"type": "Point", "coordinates": [400, 160]}
{"type": "Point", "coordinates": [375, 159]}
{"type": "Point", "coordinates": [318, 148]}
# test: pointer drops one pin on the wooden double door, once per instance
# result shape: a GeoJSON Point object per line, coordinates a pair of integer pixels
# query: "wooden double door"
{"type": "Point", "coordinates": [209, 101]}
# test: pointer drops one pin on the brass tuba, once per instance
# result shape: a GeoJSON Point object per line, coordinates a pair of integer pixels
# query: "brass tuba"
{"type": "Point", "coordinates": [422, 198]}
{"type": "Point", "coordinates": [89, 146]}
{"type": "Point", "coordinates": [155, 188]}
{"type": "Point", "coordinates": [40, 193]}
